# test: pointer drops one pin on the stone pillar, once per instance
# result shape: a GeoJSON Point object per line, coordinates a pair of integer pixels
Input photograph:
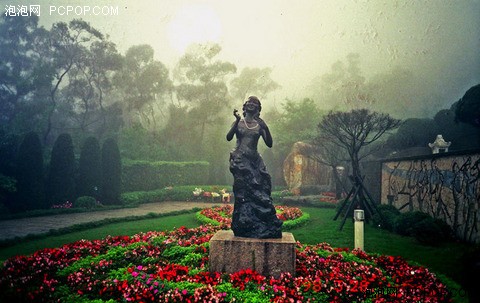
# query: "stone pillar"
{"type": "Point", "coordinates": [269, 257]}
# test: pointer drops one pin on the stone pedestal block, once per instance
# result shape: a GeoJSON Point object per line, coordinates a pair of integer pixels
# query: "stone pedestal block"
{"type": "Point", "coordinates": [269, 257]}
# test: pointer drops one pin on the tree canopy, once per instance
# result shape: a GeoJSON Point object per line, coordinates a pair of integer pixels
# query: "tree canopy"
{"type": "Point", "coordinates": [467, 109]}
{"type": "Point", "coordinates": [353, 131]}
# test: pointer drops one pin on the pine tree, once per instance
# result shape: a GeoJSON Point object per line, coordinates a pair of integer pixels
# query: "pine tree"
{"type": "Point", "coordinates": [60, 186]}
{"type": "Point", "coordinates": [29, 174]}
{"type": "Point", "coordinates": [111, 172]}
{"type": "Point", "coordinates": [89, 169]}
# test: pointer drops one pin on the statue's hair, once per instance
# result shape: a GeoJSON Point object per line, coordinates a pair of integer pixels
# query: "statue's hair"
{"type": "Point", "coordinates": [257, 101]}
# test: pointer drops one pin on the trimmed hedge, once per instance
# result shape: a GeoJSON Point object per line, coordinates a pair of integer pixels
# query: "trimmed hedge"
{"type": "Point", "coordinates": [177, 193]}
{"type": "Point", "coordinates": [386, 218]}
{"type": "Point", "coordinates": [147, 176]}
{"type": "Point", "coordinates": [287, 225]}
{"type": "Point", "coordinates": [111, 172]}
{"type": "Point", "coordinates": [30, 175]}
{"type": "Point", "coordinates": [405, 223]}
{"type": "Point", "coordinates": [291, 224]}
{"type": "Point", "coordinates": [85, 202]}
{"type": "Point", "coordinates": [205, 220]}
{"type": "Point", "coordinates": [308, 201]}
{"type": "Point", "coordinates": [423, 227]}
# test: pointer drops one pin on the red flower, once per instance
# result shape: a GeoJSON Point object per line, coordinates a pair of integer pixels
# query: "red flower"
{"type": "Point", "coordinates": [134, 269]}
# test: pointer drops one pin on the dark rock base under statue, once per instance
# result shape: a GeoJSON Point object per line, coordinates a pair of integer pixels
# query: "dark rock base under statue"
{"type": "Point", "coordinates": [269, 257]}
{"type": "Point", "coordinates": [253, 220]}
{"type": "Point", "coordinates": [254, 215]}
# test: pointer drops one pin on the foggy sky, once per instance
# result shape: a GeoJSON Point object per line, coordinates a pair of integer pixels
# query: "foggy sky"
{"type": "Point", "coordinates": [437, 40]}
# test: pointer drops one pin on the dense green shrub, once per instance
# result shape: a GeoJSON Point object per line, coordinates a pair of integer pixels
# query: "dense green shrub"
{"type": "Point", "coordinates": [291, 224]}
{"type": "Point", "coordinates": [29, 175]}
{"type": "Point", "coordinates": [60, 186]}
{"type": "Point", "coordinates": [111, 172]}
{"type": "Point", "coordinates": [89, 169]}
{"type": "Point", "coordinates": [386, 216]}
{"type": "Point", "coordinates": [146, 176]}
{"type": "Point", "coordinates": [404, 223]}
{"type": "Point", "coordinates": [423, 227]}
{"type": "Point", "coordinates": [278, 195]}
{"type": "Point", "coordinates": [7, 184]}
{"type": "Point", "coordinates": [470, 269]}
{"type": "Point", "coordinates": [85, 202]}
{"type": "Point", "coordinates": [427, 232]}
{"type": "Point", "coordinates": [447, 231]}
{"type": "Point", "coordinates": [136, 142]}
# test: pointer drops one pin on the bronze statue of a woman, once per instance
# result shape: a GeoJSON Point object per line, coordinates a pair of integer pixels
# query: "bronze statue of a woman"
{"type": "Point", "coordinates": [254, 215]}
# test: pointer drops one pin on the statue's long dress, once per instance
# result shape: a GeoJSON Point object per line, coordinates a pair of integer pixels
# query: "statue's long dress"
{"type": "Point", "coordinates": [254, 215]}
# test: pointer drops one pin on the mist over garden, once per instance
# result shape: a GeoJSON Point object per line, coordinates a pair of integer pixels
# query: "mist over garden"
{"type": "Point", "coordinates": [71, 80]}
{"type": "Point", "coordinates": [90, 121]}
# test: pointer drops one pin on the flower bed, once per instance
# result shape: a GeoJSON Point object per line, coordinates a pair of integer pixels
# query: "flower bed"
{"type": "Point", "coordinates": [173, 267]}
{"type": "Point", "coordinates": [222, 216]}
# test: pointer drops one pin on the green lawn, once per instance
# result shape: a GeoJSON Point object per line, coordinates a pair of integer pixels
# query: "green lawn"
{"type": "Point", "coordinates": [114, 229]}
{"type": "Point", "coordinates": [444, 259]}
{"type": "Point", "coordinates": [321, 228]}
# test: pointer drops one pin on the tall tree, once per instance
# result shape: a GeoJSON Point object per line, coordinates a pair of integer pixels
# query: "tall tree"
{"type": "Point", "coordinates": [143, 81]}
{"type": "Point", "coordinates": [201, 79]}
{"type": "Point", "coordinates": [344, 87]}
{"type": "Point", "coordinates": [111, 172]}
{"type": "Point", "coordinates": [89, 169]}
{"type": "Point", "coordinates": [253, 81]}
{"type": "Point", "coordinates": [22, 72]}
{"type": "Point", "coordinates": [89, 80]}
{"type": "Point", "coordinates": [29, 175]}
{"type": "Point", "coordinates": [463, 136]}
{"type": "Point", "coordinates": [60, 186]}
{"type": "Point", "coordinates": [467, 109]}
{"type": "Point", "coordinates": [408, 134]}
{"type": "Point", "coordinates": [178, 134]}
{"type": "Point", "coordinates": [67, 48]}
{"type": "Point", "coordinates": [297, 121]}
{"type": "Point", "coordinates": [354, 131]}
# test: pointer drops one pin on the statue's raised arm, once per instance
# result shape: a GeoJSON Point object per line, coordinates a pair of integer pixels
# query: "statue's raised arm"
{"type": "Point", "coordinates": [233, 129]}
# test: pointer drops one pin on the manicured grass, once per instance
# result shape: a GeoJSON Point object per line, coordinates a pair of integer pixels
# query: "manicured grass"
{"type": "Point", "coordinates": [114, 229]}
{"type": "Point", "coordinates": [444, 259]}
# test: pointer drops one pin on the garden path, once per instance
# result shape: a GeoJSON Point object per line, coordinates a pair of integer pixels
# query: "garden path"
{"type": "Point", "coordinates": [37, 225]}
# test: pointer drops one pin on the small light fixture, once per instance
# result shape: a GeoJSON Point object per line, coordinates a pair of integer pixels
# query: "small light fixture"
{"type": "Point", "coordinates": [340, 170]}
{"type": "Point", "coordinates": [358, 215]}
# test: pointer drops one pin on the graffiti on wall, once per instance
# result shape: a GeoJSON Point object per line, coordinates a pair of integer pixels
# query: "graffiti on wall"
{"type": "Point", "coordinates": [447, 188]}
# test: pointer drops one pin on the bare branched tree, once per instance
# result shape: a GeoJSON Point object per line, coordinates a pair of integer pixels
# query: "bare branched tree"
{"type": "Point", "coordinates": [354, 132]}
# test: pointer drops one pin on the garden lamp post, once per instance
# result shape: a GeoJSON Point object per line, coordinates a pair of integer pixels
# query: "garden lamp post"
{"type": "Point", "coordinates": [358, 217]}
